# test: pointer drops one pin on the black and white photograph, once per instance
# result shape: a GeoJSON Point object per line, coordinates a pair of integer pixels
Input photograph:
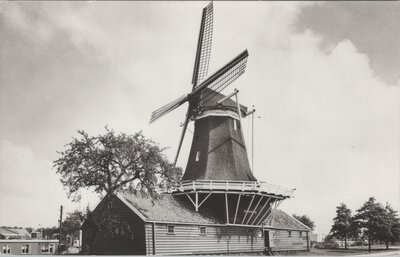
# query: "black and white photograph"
{"type": "Point", "coordinates": [200, 128]}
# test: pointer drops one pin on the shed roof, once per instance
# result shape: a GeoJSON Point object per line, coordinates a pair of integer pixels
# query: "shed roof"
{"type": "Point", "coordinates": [169, 208]}
{"type": "Point", "coordinates": [283, 220]}
{"type": "Point", "coordinates": [6, 232]}
{"type": "Point", "coordinates": [13, 231]}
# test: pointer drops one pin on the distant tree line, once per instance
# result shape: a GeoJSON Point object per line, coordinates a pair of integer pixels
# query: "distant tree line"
{"type": "Point", "coordinates": [305, 220]}
{"type": "Point", "coordinates": [372, 222]}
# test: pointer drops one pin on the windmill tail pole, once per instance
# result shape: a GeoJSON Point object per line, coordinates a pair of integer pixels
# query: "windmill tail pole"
{"type": "Point", "coordinates": [182, 136]}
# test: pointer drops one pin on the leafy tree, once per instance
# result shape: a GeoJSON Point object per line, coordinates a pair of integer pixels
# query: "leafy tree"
{"type": "Point", "coordinates": [370, 218]}
{"type": "Point", "coordinates": [111, 162]}
{"type": "Point", "coordinates": [305, 220]}
{"type": "Point", "coordinates": [72, 225]}
{"type": "Point", "coordinates": [342, 224]}
{"type": "Point", "coordinates": [390, 226]}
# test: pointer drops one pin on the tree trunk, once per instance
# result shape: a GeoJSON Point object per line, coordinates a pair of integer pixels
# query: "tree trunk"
{"type": "Point", "coordinates": [345, 241]}
{"type": "Point", "coordinates": [369, 241]}
{"type": "Point", "coordinates": [387, 244]}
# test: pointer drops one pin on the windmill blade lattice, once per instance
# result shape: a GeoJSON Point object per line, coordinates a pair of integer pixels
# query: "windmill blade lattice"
{"type": "Point", "coordinates": [203, 52]}
{"type": "Point", "coordinates": [167, 108]}
{"type": "Point", "coordinates": [224, 80]}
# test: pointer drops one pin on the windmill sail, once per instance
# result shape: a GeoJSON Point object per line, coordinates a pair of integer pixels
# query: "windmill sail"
{"type": "Point", "coordinates": [218, 81]}
{"type": "Point", "coordinates": [201, 62]}
{"type": "Point", "coordinates": [225, 75]}
{"type": "Point", "coordinates": [203, 51]}
{"type": "Point", "coordinates": [167, 108]}
{"type": "Point", "coordinates": [224, 80]}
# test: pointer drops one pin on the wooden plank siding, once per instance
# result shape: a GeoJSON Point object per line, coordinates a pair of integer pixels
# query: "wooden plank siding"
{"type": "Point", "coordinates": [132, 241]}
{"type": "Point", "coordinates": [187, 240]}
{"type": "Point", "coordinates": [283, 242]}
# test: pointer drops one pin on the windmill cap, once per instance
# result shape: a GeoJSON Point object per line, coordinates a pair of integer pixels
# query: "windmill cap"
{"type": "Point", "coordinates": [227, 104]}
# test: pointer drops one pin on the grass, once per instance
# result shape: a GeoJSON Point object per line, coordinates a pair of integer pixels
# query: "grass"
{"type": "Point", "coordinates": [339, 252]}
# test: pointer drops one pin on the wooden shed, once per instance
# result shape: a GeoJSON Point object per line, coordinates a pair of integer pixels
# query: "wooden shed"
{"type": "Point", "coordinates": [169, 226]}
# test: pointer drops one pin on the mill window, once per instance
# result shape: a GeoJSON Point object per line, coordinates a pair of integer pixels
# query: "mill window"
{"type": "Point", "coordinates": [236, 124]}
{"type": "Point", "coordinates": [290, 233]}
{"type": "Point", "coordinates": [171, 229]}
{"type": "Point", "coordinates": [197, 156]}
{"type": "Point", "coordinates": [301, 233]}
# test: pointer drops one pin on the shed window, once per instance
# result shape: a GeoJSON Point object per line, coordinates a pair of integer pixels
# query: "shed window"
{"type": "Point", "coordinates": [197, 156]}
{"type": "Point", "coordinates": [109, 205]}
{"type": "Point", "coordinates": [301, 233]}
{"type": "Point", "coordinates": [25, 249]}
{"type": "Point", "coordinates": [171, 229]}
{"type": "Point", "coordinates": [6, 249]}
{"type": "Point", "coordinates": [290, 233]}
{"type": "Point", "coordinates": [203, 231]}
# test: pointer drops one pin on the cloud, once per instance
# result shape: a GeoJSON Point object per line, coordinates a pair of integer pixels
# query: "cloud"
{"type": "Point", "coordinates": [371, 26]}
{"type": "Point", "coordinates": [329, 127]}
{"type": "Point", "coordinates": [329, 124]}
{"type": "Point", "coordinates": [30, 191]}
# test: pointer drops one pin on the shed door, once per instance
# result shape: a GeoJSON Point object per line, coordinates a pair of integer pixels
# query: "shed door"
{"type": "Point", "coordinates": [266, 239]}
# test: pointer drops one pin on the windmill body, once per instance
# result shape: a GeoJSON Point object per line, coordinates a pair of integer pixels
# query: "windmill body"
{"type": "Point", "coordinates": [218, 171]}
{"type": "Point", "coordinates": [218, 150]}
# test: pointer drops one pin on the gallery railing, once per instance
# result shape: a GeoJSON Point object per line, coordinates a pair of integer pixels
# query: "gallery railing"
{"type": "Point", "coordinates": [218, 185]}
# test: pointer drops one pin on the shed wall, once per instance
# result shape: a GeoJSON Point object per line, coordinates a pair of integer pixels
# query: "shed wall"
{"type": "Point", "coordinates": [127, 236]}
{"type": "Point", "coordinates": [282, 241]}
{"type": "Point", "coordinates": [187, 240]}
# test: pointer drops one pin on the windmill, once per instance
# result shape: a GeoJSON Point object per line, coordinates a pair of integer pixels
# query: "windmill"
{"type": "Point", "coordinates": [204, 91]}
{"type": "Point", "coordinates": [218, 170]}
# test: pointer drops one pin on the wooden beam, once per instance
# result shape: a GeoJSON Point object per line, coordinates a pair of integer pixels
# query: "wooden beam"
{"type": "Point", "coordinates": [265, 215]}
{"type": "Point", "coordinates": [260, 212]}
{"type": "Point", "coordinates": [237, 207]}
{"type": "Point", "coordinates": [226, 207]}
{"type": "Point", "coordinates": [154, 237]}
{"type": "Point", "coordinates": [197, 201]}
{"type": "Point", "coordinates": [255, 209]}
{"type": "Point", "coordinates": [248, 209]}
{"type": "Point", "coordinates": [204, 199]}
{"type": "Point", "coordinates": [190, 198]}
{"type": "Point", "coordinates": [277, 203]}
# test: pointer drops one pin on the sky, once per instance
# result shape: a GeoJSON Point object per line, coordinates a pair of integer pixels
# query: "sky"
{"type": "Point", "coordinates": [324, 78]}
